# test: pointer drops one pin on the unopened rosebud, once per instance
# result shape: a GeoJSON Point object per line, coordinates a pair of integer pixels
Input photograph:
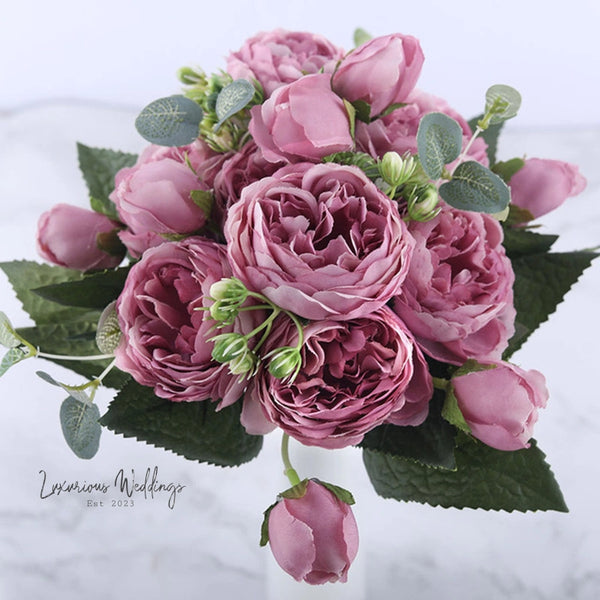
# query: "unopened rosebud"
{"type": "Point", "coordinates": [244, 364]}
{"type": "Point", "coordinates": [228, 346]}
{"type": "Point", "coordinates": [422, 205]}
{"type": "Point", "coordinates": [396, 170]}
{"type": "Point", "coordinates": [285, 362]}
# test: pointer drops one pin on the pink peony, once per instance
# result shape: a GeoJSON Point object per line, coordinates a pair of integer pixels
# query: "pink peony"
{"type": "Point", "coordinates": [68, 236]}
{"type": "Point", "coordinates": [319, 240]}
{"type": "Point", "coordinates": [397, 131]}
{"type": "Point", "coordinates": [165, 337]}
{"type": "Point", "coordinates": [354, 375]}
{"type": "Point", "coordinates": [153, 198]}
{"type": "Point", "coordinates": [500, 404]}
{"type": "Point", "coordinates": [314, 538]}
{"type": "Point", "coordinates": [543, 185]}
{"type": "Point", "coordinates": [381, 72]}
{"type": "Point", "coordinates": [457, 299]}
{"type": "Point", "coordinates": [302, 120]}
{"type": "Point", "coordinates": [278, 57]}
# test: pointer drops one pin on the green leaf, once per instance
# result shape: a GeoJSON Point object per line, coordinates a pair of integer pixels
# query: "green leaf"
{"type": "Point", "coordinates": [490, 136]}
{"type": "Point", "coordinates": [195, 430]}
{"type": "Point", "coordinates": [25, 275]}
{"type": "Point", "coordinates": [94, 291]}
{"type": "Point", "coordinates": [8, 337]}
{"type": "Point", "coordinates": [108, 333]}
{"type": "Point", "coordinates": [363, 161]}
{"type": "Point", "coordinates": [502, 102]}
{"type": "Point", "coordinates": [485, 478]}
{"type": "Point", "coordinates": [171, 121]}
{"type": "Point", "coordinates": [74, 391]}
{"type": "Point", "coordinates": [99, 167]}
{"type": "Point", "coordinates": [474, 187]}
{"type": "Point", "coordinates": [79, 422]}
{"type": "Point", "coordinates": [233, 98]}
{"type": "Point", "coordinates": [506, 169]}
{"type": "Point", "coordinates": [12, 357]}
{"type": "Point", "coordinates": [360, 37]}
{"type": "Point", "coordinates": [431, 443]}
{"type": "Point", "coordinates": [541, 281]}
{"type": "Point", "coordinates": [439, 142]}
{"type": "Point", "coordinates": [522, 242]}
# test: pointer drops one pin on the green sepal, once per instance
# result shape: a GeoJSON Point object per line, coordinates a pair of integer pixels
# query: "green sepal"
{"type": "Point", "coordinates": [110, 242]}
{"type": "Point", "coordinates": [452, 413]}
{"type": "Point", "coordinates": [362, 111]}
{"type": "Point", "coordinates": [264, 528]}
{"type": "Point", "coordinates": [99, 167]}
{"type": "Point", "coordinates": [80, 427]}
{"type": "Point", "coordinates": [506, 169]}
{"type": "Point", "coordinates": [195, 430]}
{"type": "Point", "coordinates": [474, 187]}
{"type": "Point", "coordinates": [484, 478]}
{"type": "Point", "coordinates": [351, 111]}
{"type": "Point", "coordinates": [296, 491]}
{"type": "Point", "coordinates": [340, 493]}
{"type": "Point", "coordinates": [204, 200]}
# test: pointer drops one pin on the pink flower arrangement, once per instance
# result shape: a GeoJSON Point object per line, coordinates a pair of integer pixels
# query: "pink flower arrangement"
{"type": "Point", "coordinates": [331, 254]}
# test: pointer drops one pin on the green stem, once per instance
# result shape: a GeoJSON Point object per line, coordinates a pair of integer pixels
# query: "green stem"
{"type": "Point", "coordinates": [289, 471]}
{"type": "Point", "coordinates": [65, 357]}
{"type": "Point", "coordinates": [440, 383]}
{"type": "Point", "coordinates": [106, 371]}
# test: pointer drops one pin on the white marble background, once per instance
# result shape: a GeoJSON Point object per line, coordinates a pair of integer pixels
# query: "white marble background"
{"type": "Point", "coordinates": [208, 545]}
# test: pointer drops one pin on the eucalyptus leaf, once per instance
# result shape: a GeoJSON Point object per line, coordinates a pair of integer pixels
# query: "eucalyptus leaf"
{"type": "Point", "coordinates": [8, 337]}
{"type": "Point", "coordinates": [474, 187]}
{"type": "Point", "coordinates": [233, 98]}
{"type": "Point", "coordinates": [80, 426]}
{"type": "Point", "coordinates": [171, 121]}
{"type": "Point", "coordinates": [76, 394]}
{"type": "Point", "coordinates": [503, 102]}
{"type": "Point", "coordinates": [12, 357]}
{"type": "Point", "coordinates": [439, 142]}
{"type": "Point", "coordinates": [108, 334]}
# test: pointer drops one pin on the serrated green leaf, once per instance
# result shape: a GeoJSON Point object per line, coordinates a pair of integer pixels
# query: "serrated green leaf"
{"type": "Point", "coordinates": [360, 37]}
{"type": "Point", "coordinates": [233, 98]}
{"type": "Point", "coordinates": [195, 430]}
{"type": "Point", "coordinates": [439, 142]}
{"type": "Point", "coordinates": [541, 282]}
{"type": "Point", "coordinates": [99, 167]}
{"type": "Point", "coordinates": [95, 291]}
{"type": "Point", "coordinates": [12, 357]}
{"type": "Point", "coordinates": [8, 337]}
{"type": "Point", "coordinates": [79, 422]}
{"type": "Point", "coordinates": [474, 187]}
{"type": "Point", "coordinates": [171, 121]}
{"type": "Point", "coordinates": [431, 443]}
{"type": "Point", "coordinates": [490, 136]}
{"type": "Point", "coordinates": [25, 275]}
{"type": "Point", "coordinates": [522, 242]}
{"type": "Point", "coordinates": [485, 478]}
{"type": "Point", "coordinates": [503, 102]}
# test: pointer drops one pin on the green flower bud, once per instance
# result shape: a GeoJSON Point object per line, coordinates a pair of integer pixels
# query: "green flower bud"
{"type": "Point", "coordinates": [230, 289]}
{"type": "Point", "coordinates": [422, 204]}
{"type": "Point", "coordinates": [228, 346]}
{"type": "Point", "coordinates": [223, 312]}
{"type": "Point", "coordinates": [190, 76]}
{"type": "Point", "coordinates": [285, 362]}
{"type": "Point", "coordinates": [244, 364]}
{"type": "Point", "coordinates": [396, 170]}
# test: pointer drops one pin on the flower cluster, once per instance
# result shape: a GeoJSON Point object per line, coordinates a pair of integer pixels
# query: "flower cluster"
{"type": "Point", "coordinates": [321, 253]}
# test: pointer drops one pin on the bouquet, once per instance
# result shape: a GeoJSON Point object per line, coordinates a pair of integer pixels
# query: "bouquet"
{"type": "Point", "coordinates": [310, 243]}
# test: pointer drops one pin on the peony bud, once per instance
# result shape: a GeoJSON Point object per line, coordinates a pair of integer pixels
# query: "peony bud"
{"type": "Point", "coordinates": [395, 170]}
{"type": "Point", "coordinates": [285, 362]}
{"type": "Point", "coordinates": [228, 346]}
{"type": "Point", "coordinates": [313, 537]}
{"type": "Point", "coordinates": [244, 363]}
{"type": "Point", "coordinates": [423, 203]}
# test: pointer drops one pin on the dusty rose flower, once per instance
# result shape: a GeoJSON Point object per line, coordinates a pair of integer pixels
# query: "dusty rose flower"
{"type": "Point", "coordinates": [153, 198]}
{"type": "Point", "coordinates": [240, 170]}
{"type": "Point", "coordinates": [397, 131]}
{"type": "Point", "coordinates": [319, 240]}
{"type": "Point", "coordinates": [314, 538]}
{"type": "Point", "coordinates": [354, 375]}
{"type": "Point", "coordinates": [165, 338]}
{"type": "Point", "coordinates": [68, 236]}
{"type": "Point", "coordinates": [457, 299]}
{"type": "Point", "coordinates": [543, 185]}
{"type": "Point", "coordinates": [380, 72]}
{"type": "Point", "coordinates": [501, 404]}
{"type": "Point", "coordinates": [278, 57]}
{"type": "Point", "coordinates": [303, 120]}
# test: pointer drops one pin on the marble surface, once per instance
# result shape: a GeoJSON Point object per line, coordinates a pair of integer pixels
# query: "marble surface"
{"type": "Point", "coordinates": [207, 545]}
